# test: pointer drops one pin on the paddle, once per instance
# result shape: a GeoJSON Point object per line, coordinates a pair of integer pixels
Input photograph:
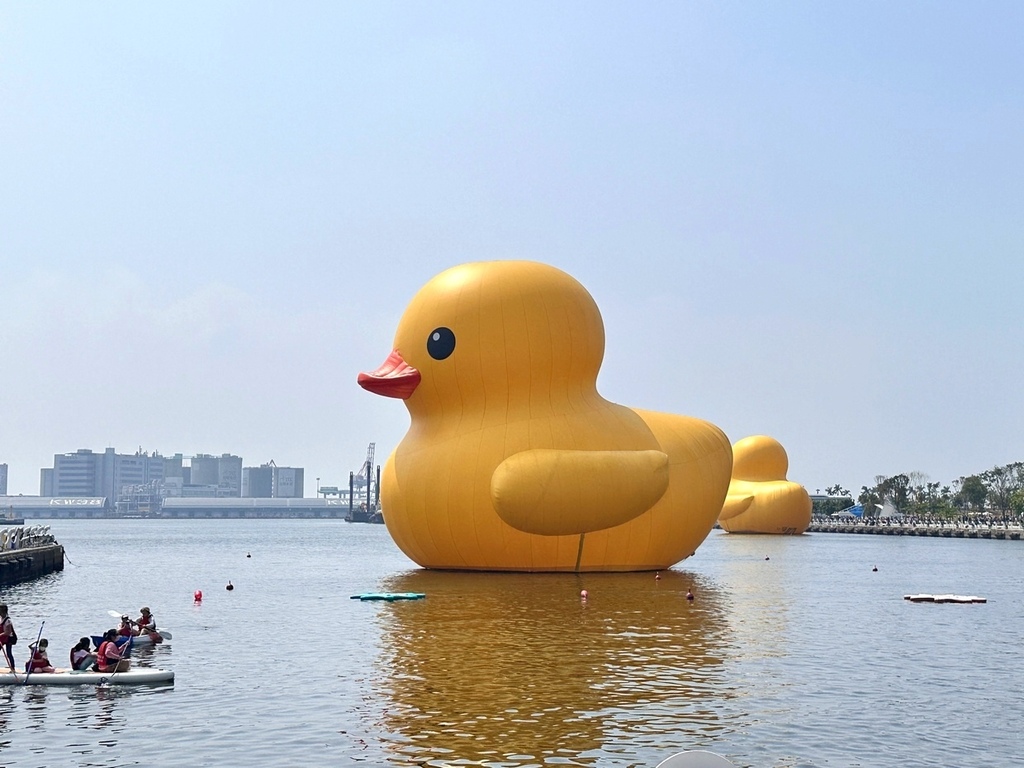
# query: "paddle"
{"type": "Point", "coordinates": [126, 651]}
{"type": "Point", "coordinates": [34, 649]}
{"type": "Point", "coordinates": [162, 632]}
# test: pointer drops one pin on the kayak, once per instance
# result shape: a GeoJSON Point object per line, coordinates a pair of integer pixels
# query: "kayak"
{"type": "Point", "coordinates": [141, 676]}
{"type": "Point", "coordinates": [142, 641]}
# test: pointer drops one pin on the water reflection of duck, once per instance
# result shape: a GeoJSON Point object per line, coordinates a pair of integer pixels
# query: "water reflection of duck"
{"type": "Point", "coordinates": [760, 592]}
{"type": "Point", "coordinates": [513, 461]}
{"type": "Point", "coordinates": [760, 498]}
{"type": "Point", "coordinates": [491, 666]}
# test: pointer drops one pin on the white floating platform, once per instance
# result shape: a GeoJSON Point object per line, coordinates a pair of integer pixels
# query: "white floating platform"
{"type": "Point", "coordinates": [141, 676]}
{"type": "Point", "coordinates": [945, 599]}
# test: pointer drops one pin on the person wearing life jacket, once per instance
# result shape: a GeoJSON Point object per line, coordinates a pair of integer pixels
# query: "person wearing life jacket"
{"type": "Point", "coordinates": [39, 662]}
{"type": "Point", "coordinates": [108, 655]}
{"type": "Point", "coordinates": [81, 658]}
{"type": "Point", "coordinates": [125, 630]}
{"type": "Point", "coordinates": [147, 625]}
{"type": "Point", "coordinates": [8, 636]}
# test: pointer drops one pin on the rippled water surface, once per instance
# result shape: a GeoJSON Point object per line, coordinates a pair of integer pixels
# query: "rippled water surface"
{"type": "Point", "coordinates": [794, 653]}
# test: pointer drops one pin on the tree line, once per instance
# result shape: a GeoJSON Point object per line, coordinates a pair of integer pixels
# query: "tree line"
{"type": "Point", "coordinates": [998, 492]}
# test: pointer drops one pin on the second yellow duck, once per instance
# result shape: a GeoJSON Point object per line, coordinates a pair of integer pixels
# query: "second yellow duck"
{"type": "Point", "coordinates": [761, 499]}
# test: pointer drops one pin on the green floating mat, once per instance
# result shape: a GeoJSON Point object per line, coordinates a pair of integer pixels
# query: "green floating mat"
{"type": "Point", "coordinates": [389, 596]}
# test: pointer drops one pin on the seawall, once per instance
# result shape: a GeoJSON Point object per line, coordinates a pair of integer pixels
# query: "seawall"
{"type": "Point", "coordinates": [27, 553]}
{"type": "Point", "coordinates": [946, 531]}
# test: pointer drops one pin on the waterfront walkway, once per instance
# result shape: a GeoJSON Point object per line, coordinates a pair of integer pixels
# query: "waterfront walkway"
{"type": "Point", "coordinates": [895, 527]}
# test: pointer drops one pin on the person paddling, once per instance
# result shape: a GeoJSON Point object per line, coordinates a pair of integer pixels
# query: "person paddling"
{"type": "Point", "coordinates": [39, 662]}
{"type": "Point", "coordinates": [147, 623]}
{"type": "Point", "coordinates": [8, 637]}
{"type": "Point", "coordinates": [108, 656]}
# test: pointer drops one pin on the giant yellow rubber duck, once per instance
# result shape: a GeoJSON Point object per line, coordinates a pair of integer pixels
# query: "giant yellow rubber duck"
{"type": "Point", "coordinates": [513, 461]}
{"type": "Point", "coordinates": [760, 498]}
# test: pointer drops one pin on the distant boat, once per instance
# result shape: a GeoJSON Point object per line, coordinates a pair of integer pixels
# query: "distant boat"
{"type": "Point", "coordinates": [10, 519]}
{"type": "Point", "coordinates": [360, 515]}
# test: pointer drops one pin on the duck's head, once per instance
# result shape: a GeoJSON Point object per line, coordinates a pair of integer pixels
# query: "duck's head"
{"type": "Point", "coordinates": [497, 334]}
{"type": "Point", "coordinates": [759, 458]}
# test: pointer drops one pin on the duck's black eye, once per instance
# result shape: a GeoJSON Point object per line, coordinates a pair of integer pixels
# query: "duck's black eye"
{"type": "Point", "coordinates": [441, 343]}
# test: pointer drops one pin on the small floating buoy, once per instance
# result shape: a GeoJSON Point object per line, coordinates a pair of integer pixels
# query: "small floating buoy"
{"type": "Point", "coordinates": [229, 587]}
{"type": "Point", "coordinates": [583, 595]}
{"type": "Point", "coordinates": [689, 595]}
{"type": "Point", "coordinates": [657, 576]}
{"type": "Point", "coordinates": [198, 595]}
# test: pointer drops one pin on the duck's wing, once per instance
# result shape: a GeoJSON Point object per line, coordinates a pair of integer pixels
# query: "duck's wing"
{"type": "Point", "coordinates": [555, 493]}
{"type": "Point", "coordinates": [735, 504]}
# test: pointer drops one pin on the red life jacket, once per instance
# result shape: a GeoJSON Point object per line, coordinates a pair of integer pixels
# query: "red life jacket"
{"type": "Point", "coordinates": [147, 628]}
{"type": "Point", "coordinates": [106, 664]}
{"type": "Point", "coordinates": [37, 662]}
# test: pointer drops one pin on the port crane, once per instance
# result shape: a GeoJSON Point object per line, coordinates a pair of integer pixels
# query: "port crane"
{"type": "Point", "coordinates": [363, 493]}
{"type": "Point", "coordinates": [368, 478]}
{"type": "Point", "coordinates": [364, 476]}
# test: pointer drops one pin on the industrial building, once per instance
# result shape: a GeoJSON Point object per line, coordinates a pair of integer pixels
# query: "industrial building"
{"type": "Point", "coordinates": [255, 508]}
{"type": "Point", "coordinates": [269, 481]}
{"type": "Point", "coordinates": [223, 472]}
{"type": "Point", "coordinates": [63, 508]}
{"type": "Point", "coordinates": [143, 478]}
{"type": "Point", "coordinates": [85, 473]}
{"type": "Point", "coordinates": [88, 484]}
{"type": "Point", "coordinates": [43, 508]}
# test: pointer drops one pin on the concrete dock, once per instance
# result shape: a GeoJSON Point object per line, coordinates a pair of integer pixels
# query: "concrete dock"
{"type": "Point", "coordinates": [27, 553]}
{"type": "Point", "coordinates": [951, 530]}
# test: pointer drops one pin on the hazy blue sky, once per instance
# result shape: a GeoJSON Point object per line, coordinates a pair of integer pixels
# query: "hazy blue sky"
{"type": "Point", "coordinates": [799, 219]}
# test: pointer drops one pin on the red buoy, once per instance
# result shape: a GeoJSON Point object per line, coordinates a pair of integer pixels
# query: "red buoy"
{"type": "Point", "coordinates": [198, 595]}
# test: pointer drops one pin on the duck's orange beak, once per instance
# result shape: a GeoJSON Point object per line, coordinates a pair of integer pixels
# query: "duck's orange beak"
{"type": "Point", "coordinates": [395, 378]}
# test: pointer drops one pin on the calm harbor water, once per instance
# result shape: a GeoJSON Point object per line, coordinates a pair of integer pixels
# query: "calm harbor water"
{"type": "Point", "coordinates": [794, 653]}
